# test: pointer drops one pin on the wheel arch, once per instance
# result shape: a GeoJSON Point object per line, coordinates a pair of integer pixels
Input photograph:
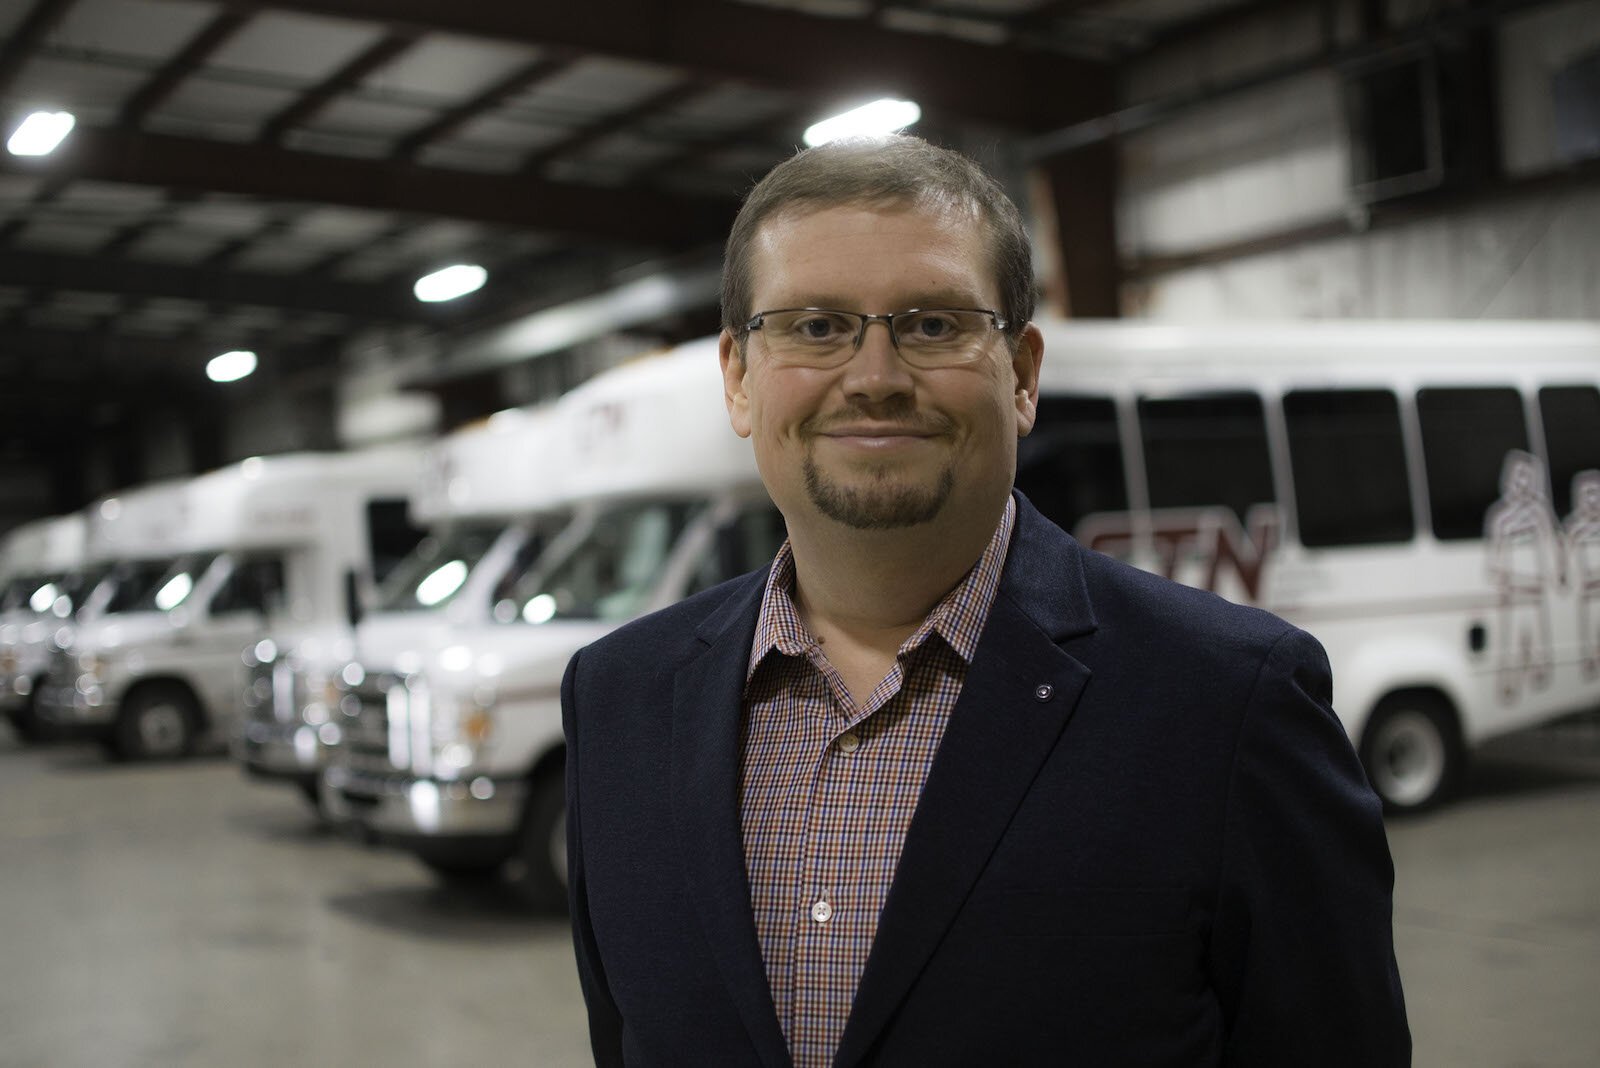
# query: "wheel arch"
{"type": "Point", "coordinates": [177, 682]}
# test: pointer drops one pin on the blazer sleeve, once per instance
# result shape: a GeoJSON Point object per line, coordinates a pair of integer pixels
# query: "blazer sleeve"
{"type": "Point", "coordinates": [605, 1021]}
{"type": "Point", "coordinates": [1302, 946]}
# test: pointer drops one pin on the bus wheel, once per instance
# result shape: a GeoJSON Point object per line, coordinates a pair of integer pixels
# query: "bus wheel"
{"type": "Point", "coordinates": [156, 722]}
{"type": "Point", "coordinates": [25, 723]}
{"type": "Point", "coordinates": [1411, 750]}
{"type": "Point", "coordinates": [538, 870]}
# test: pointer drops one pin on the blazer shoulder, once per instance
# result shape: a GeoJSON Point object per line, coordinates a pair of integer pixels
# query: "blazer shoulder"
{"type": "Point", "coordinates": [1132, 600]}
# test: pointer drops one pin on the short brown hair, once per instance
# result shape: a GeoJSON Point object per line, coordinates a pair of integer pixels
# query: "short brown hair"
{"type": "Point", "coordinates": [899, 169]}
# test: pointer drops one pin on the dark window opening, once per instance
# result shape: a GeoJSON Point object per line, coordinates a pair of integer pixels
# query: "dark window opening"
{"type": "Point", "coordinates": [1207, 450]}
{"type": "Point", "coordinates": [256, 584]}
{"type": "Point", "coordinates": [1572, 437]}
{"type": "Point", "coordinates": [390, 534]}
{"type": "Point", "coordinates": [1348, 459]}
{"type": "Point", "coordinates": [1071, 464]}
{"type": "Point", "coordinates": [1466, 433]}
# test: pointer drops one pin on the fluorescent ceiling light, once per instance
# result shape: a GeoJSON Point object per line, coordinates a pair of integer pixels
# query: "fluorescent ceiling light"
{"type": "Point", "coordinates": [40, 133]}
{"type": "Point", "coordinates": [231, 366]}
{"type": "Point", "coordinates": [869, 120]}
{"type": "Point", "coordinates": [450, 282]}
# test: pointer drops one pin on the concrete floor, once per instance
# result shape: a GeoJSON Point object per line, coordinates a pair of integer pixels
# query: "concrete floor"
{"type": "Point", "coordinates": [180, 916]}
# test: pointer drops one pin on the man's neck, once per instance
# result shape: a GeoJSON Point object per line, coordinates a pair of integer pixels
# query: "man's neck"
{"type": "Point", "coordinates": [876, 587]}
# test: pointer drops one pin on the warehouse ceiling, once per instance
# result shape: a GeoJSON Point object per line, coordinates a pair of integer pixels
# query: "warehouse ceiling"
{"type": "Point", "coordinates": [275, 176]}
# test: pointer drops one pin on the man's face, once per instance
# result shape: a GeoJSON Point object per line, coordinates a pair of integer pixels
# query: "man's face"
{"type": "Point", "coordinates": [877, 443]}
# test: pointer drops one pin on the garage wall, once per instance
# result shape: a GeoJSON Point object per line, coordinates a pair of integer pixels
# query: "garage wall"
{"type": "Point", "coordinates": [1272, 169]}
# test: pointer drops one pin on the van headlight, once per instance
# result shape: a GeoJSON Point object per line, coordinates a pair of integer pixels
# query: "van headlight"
{"type": "Point", "coordinates": [91, 672]}
{"type": "Point", "coordinates": [317, 695]}
{"type": "Point", "coordinates": [462, 728]}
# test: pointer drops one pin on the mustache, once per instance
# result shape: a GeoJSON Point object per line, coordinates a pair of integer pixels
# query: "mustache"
{"type": "Point", "coordinates": [902, 415]}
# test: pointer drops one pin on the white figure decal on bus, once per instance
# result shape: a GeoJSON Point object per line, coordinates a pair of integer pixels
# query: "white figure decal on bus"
{"type": "Point", "coordinates": [1582, 529]}
{"type": "Point", "coordinates": [1525, 561]}
{"type": "Point", "coordinates": [1210, 538]}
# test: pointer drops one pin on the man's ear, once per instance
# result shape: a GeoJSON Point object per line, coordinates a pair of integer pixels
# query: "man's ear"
{"type": "Point", "coordinates": [733, 394]}
{"type": "Point", "coordinates": [1025, 363]}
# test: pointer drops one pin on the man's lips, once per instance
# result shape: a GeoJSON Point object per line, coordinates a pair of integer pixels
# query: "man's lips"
{"type": "Point", "coordinates": [877, 430]}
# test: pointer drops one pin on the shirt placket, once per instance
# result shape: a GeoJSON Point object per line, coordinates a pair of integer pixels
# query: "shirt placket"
{"type": "Point", "coordinates": [831, 917]}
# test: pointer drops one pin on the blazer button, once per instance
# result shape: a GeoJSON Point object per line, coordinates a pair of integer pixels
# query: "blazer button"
{"type": "Point", "coordinates": [1043, 692]}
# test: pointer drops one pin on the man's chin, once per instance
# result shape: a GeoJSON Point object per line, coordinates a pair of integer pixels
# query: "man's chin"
{"type": "Point", "coordinates": [877, 504]}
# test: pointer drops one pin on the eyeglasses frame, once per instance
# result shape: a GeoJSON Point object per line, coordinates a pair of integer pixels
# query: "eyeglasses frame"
{"type": "Point", "coordinates": [755, 323]}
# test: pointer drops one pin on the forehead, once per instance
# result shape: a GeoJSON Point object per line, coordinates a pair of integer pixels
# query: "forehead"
{"type": "Point", "coordinates": [871, 253]}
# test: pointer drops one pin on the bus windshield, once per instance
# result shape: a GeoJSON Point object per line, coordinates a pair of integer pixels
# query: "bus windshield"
{"type": "Point", "coordinates": [169, 587]}
{"type": "Point", "coordinates": [435, 571]}
{"type": "Point", "coordinates": [608, 576]}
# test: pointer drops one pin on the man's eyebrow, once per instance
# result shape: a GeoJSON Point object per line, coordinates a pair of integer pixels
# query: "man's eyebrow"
{"type": "Point", "coordinates": [929, 298]}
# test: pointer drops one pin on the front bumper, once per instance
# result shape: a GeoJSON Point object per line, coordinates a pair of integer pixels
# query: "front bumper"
{"type": "Point", "coordinates": [404, 810]}
{"type": "Point", "coordinates": [293, 751]}
{"type": "Point", "coordinates": [70, 706]}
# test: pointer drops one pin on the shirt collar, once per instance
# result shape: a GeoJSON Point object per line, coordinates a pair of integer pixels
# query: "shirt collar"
{"type": "Point", "coordinates": [958, 618]}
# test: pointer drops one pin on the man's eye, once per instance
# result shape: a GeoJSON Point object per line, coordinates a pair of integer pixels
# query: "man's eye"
{"type": "Point", "coordinates": [931, 327]}
{"type": "Point", "coordinates": [820, 328]}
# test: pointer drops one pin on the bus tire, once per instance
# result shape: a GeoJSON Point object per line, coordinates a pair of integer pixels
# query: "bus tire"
{"type": "Point", "coordinates": [538, 870]}
{"type": "Point", "coordinates": [464, 871]}
{"type": "Point", "coordinates": [24, 722]}
{"type": "Point", "coordinates": [1412, 750]}
{"type": "Point", "coordinates": [157, 721]}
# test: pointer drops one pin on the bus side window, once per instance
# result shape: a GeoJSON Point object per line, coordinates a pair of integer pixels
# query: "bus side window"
{"type": "Point", "coordinates": [1071, 464]}
{"type": "Point", "coordinates": [390, 534]}
{"type": "Point", "coordinates": [1466, 433]}
{"type": "Point", "coordinates": [1206, 449]}
{"type": "Point", "coordinates": [1571, 417]}
{"type": "Point", "coordinates": [1348, 459]}
{"type": "Point", "coordinates": [256, 585]}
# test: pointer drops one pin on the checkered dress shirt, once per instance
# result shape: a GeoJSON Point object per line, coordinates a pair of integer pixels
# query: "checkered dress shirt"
{"type": "Point", "coordinates": [828, 789]}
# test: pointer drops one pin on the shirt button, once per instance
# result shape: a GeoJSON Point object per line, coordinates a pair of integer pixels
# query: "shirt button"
{"type": "Point", "coordinates": [849, 742]}
{"type": "Point", "coordinates": [1043, 692]}
{"type": "Point", "coordinates": [822, 912]}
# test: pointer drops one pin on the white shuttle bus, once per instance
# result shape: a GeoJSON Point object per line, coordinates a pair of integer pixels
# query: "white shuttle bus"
{"type": "Point", "coordinates": [128, 547]}
{"type": "Point", "coordinates": [452, 748]}
{"type": "Point", "coordinates": [487, 495]}
{"type": "Point", "coordinates": [277, 541]}
{"type": "Point", "coordinates": [41, 572]}
{"type": "Point", "coordinates": [1424, 498]}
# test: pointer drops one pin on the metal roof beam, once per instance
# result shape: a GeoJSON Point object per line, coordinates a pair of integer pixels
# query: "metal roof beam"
{"type": "Point", "coordinates": [833, 59]}
{"type": "Point", "coordinates": [383, 52]}
{"type": "Point", "coordinates": [665, 100]}
{"type": "Point", "coordinates": [518, 81]}
{"type": "Point", "coordinates": [189, 59]}
{"type": "Point", "coordinates": [633, 216]}
{"type": "Point", "coordinates": [29, 34]}
{"type": "Point", "coordinates": [141, 280]}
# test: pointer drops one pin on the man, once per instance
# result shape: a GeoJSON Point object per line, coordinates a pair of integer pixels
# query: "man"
{"type": "Point", "coordinates": [940, 787]}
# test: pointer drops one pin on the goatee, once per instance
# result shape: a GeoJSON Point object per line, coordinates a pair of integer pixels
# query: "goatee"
{"type": "Point", "coordinates": [881, 505]}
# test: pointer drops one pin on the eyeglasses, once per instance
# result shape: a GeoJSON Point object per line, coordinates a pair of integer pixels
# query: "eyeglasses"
{"type": "Point", "coordinates": [925, 337]}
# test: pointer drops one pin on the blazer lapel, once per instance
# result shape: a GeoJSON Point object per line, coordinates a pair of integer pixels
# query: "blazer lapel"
{"type": "Point", "coordinates": [705, 797]}
{"type": "Point", "coordinates": [1019, 693]}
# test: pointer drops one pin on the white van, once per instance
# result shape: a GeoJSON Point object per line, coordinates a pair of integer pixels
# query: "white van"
{"type": "Point", "coordinates": [487, 498]}
{"type": "Point", "coordinates": [128, 547]}
{"type": "Point", "coordinates": [41, 572]}
{"type": "Point", "coordinates": [1422, 497]}
{"type": "Point", "coordinates": [288, 538]}
{"type": "Point", "coordinates": [453, 748]}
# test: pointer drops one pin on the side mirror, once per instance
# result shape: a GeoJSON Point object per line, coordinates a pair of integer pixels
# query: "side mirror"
{"type": "Point", "coordinates": [352, 598]}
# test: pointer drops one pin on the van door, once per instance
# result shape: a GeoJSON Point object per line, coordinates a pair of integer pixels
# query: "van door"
{"type": "Point", "coordinates": [236, 619]}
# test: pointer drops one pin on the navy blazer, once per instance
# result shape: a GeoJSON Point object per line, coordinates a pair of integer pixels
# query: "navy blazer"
{"type": "Point", "coordinates": [1145, 840]}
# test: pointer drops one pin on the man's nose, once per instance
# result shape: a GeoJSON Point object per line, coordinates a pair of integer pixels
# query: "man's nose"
{"type": "Point", "coordinates": [876, 370]}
